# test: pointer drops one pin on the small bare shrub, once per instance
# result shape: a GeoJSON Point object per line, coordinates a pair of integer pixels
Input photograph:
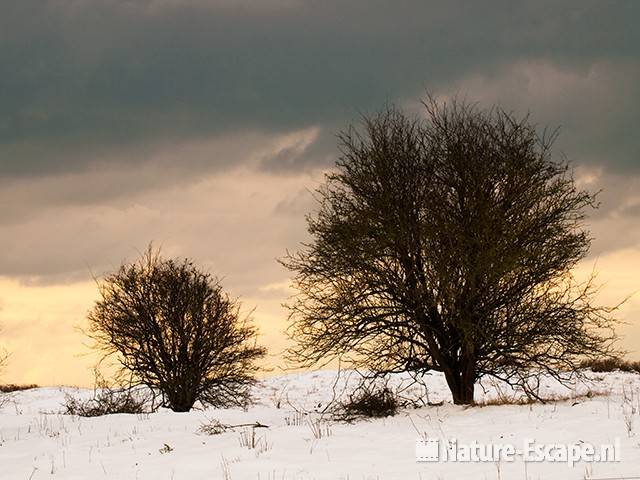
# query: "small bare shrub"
{"type": "Point", "coordinates": [106, 402]}
{"type": "Point", "coordinates": [528, 400]}
{"type": "Point", "coordinates": [368, 400]}
{"type": "Point", "coordinates": [611, 365]}
{"type": "Point", "coordinates": [500, 401]}
{"type": "Point", "coordinates": [108, 399]}
{"type": "Point", "coordinates": [10, 387]}
{"type": "Point", "coordinates": [215, 427]}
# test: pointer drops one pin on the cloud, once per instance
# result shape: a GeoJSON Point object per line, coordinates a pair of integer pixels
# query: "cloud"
{"type": "Point", "coordinates": [632, 210]}
{"type": "Point", "coordinates": [226, 223]}
{"type": "Point", "coordinates": [84, 80]}
{"type": "Point", "coordinates": [122, 179]}
{"type": "Point", "coordinates": [298, 204]}
{"type": "Point", "coordinates": [590, 105]}
{"type": "Point", "coordinates": [201, 125]}
{"type": "Point", "coordinates": [614, 225]}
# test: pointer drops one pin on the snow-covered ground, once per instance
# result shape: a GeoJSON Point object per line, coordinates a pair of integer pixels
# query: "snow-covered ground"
{"type": "Point", "coordinates": [38, 442]}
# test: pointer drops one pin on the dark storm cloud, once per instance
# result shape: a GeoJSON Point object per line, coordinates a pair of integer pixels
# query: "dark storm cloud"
{"type": "Point", "coordinates": [79, 78]}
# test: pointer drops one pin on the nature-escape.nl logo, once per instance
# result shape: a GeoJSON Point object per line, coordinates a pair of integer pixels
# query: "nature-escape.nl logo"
{"type": "Point", "coordinates": [432, 450]}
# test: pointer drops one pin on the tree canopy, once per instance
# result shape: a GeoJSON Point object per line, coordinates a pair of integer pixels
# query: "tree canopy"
{"type": "Point", "coordinates": [447, 242]}
{"type": "Point", "coordinates": [175, 330]}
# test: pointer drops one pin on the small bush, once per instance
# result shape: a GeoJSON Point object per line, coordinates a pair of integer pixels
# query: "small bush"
{"type": "Point", "coordinates": [174, 329]}
{"type": "Point", "coordinates": [215, 427]}
{"type": "Point", "coordinates": [368, 400]}
{"type": "Point", "coordinates": [552, 398]}
{"type": "Point", "coordinates": [611, 365]}
{"type": "Point", "coordinates": [107, 401]}
{"type": "Point", "coordinates": [10, 387]}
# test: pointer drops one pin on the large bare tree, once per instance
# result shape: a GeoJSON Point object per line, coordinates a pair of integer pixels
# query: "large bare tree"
{"type": "Point", "coordinates": [175, 330]}
{"type": "Point", "coordinates": [447, 243]}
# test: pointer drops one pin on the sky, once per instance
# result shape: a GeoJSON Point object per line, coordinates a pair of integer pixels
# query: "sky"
{"type": "Point", "coordinates": [203, 126]}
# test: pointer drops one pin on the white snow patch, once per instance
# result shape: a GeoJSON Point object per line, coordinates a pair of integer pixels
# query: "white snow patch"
{"type": "Point", "coordinates": [38, 442]}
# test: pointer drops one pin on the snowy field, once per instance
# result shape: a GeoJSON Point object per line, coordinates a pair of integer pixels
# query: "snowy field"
{"type": "Point", "coordinates": [38, 442]}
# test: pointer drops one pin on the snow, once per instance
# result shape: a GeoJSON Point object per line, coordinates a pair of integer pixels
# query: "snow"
{"type": "Point", "coordinates": [37, 441]}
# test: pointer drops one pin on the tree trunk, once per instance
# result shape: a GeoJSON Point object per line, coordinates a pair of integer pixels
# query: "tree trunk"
{"type": "Point", "coordinates": [461, 385]}
{"type": "Point", "coordinates": [181, 399]}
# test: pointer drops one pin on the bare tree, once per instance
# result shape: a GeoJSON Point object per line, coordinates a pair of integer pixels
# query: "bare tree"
{"type": "Point", "coordinates": [172, 326]}
{"type": "Point", "coordinates": [447, 243]}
